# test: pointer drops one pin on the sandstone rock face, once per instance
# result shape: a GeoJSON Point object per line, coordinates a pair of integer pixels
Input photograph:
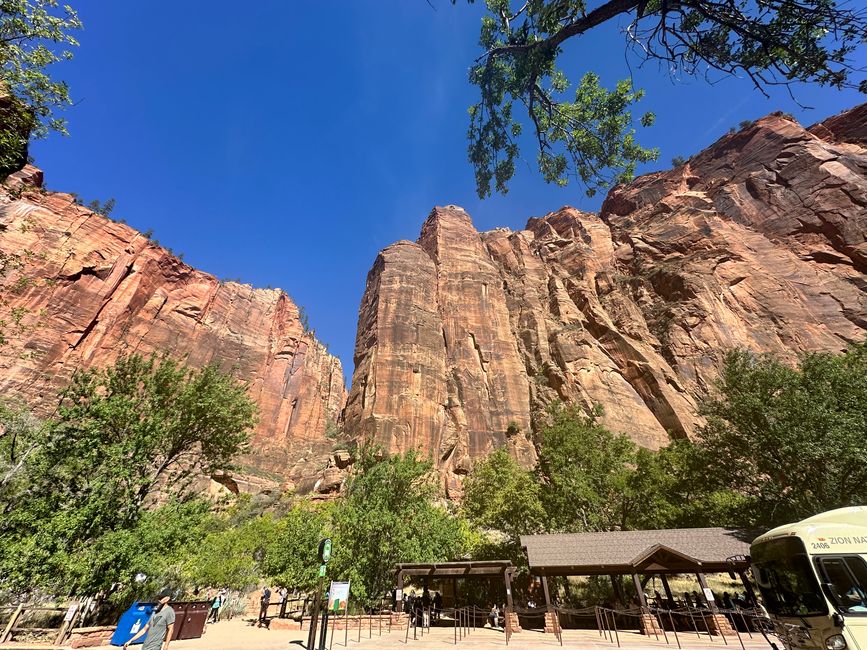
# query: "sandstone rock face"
{"type": "Point", "coordinates": [757, 242]}
{"type": "Point", "coordinates": [79, 290]}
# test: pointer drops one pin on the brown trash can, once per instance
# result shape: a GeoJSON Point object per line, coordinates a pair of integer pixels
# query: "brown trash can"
{"type": "Point", "coordinates": [190, 617]}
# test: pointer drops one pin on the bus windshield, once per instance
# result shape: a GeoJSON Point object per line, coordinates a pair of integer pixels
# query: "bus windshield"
{"type": "Point", "coordinates": [786, 579]}
{"type": "Point", "coordinates": [846, 581]}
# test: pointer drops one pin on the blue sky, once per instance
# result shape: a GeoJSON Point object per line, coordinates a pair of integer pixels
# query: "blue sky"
{"type": "Point", "coordinates": [285, 143]}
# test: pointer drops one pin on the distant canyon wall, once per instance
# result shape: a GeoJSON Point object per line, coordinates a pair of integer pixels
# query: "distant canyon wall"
{"type": "Point", "coordinates": [79, 289]}
{"type": "Point", "coordinates": [758, 242]}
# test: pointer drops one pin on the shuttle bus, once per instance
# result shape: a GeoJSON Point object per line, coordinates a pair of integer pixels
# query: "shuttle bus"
{"type": "Point", "coordinates": [813, 578]}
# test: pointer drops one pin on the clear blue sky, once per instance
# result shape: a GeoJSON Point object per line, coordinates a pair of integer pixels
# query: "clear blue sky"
{"type": "Point", "coordinates": [285, 143]}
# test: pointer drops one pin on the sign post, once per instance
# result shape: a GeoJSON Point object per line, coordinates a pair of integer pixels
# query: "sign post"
{"type": "Point", "coordinates": [324, 556]}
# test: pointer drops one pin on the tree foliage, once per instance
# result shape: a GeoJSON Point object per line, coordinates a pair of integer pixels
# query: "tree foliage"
{"type": "Point", "coordinates": [123, 438]}
{"type": "Point", "coordinates": [790, 440]}
{"type": "Point", "coordinates": [34, 35]}
{"type": "Point", "coordinates": [592, 478]}
{"type": "Point", "coordinates": [589, 136]}
{"type": "Point", "coordinates": [389, 515]}
{"type": "Point", "coordinates": [292, 555]}
{"type": "Point", "coordinates": [501, 495]}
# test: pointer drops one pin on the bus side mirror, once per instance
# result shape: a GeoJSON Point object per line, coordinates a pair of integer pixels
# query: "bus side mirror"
{"type": "Point", "coordinates": [837, 620]}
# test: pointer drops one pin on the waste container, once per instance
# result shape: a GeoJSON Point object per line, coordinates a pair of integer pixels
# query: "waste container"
{"type": "Point", "coordinates": [190, 617]}
{"type": "Point", "coordinates": [131, 621]}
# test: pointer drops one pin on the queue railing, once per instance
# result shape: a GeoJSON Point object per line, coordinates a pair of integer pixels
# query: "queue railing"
{"type": "Point", "coordinates": [657, 622]}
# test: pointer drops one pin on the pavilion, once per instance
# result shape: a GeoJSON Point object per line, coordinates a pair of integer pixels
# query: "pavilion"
{"type": "Point", "coordinates": [697, 551]}
{"type": "Point", "coordinates": [452, 571]}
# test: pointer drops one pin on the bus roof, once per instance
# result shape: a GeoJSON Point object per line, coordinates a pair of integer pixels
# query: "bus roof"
{"type": "Point", "coordinates": [848, 522]}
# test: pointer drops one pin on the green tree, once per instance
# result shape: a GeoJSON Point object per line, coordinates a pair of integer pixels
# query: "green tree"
{"type": "Point", "coordinates": [589, 136]}
{"type": "Point", "coordinates": [229, 556]}
{"type": "Point", "coordinates": [138, 560]}
{"type": "Point", "coordinates": [34, 34]}
{"type": "Point", "coordinates": [389, 515]}
{"type": "Point", "coordinates": [292, 558]}
{"type": "Point", "coordinates": [500, 495]}
{"type": "Point", "coordinates": [124, 438]}
{"type": "Point", "coordinates": [20, 433]}
{"type": "Point", "coordinates": [593, 479]}
{"type": "Point", "coordinates": [790, 441]}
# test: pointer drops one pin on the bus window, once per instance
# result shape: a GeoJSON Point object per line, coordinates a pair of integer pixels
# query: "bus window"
{"type": "Point", "coordinates": [846, 578]}
{"type": "Point", "coordinates": [786, 579]}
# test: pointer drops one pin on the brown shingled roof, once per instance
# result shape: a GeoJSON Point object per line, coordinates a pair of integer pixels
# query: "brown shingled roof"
{"type": "Point", "coordinates": [669, 550]}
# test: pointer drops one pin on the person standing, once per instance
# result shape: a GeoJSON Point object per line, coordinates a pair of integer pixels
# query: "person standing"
{"type": "Point", "coordinates": [264, 601]}
{"type": "Point", "coordinates": [215, 607]}
{"type": "Point", "coordinates": [283, 593]}
{"type": "Point", "coordinates": [160, 626]}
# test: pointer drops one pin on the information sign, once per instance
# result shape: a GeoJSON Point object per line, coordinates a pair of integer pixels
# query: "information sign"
{"type": "Point", "coordinates": [338, 596]}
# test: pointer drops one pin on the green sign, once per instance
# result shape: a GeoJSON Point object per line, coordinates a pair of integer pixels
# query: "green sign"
{"type": "Point", "coordinates": [325, 550]}
{"type": "Point", "coordinates": [321, 570]}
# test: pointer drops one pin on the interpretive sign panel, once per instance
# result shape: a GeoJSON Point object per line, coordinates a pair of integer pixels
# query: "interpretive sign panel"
{"type": "Point", "coordinates": [338, 596]}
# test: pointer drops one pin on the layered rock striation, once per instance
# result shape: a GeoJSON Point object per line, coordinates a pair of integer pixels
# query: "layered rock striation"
{"type": "Point", "coordinates": [758, 242]}
{"type": "Point", "coordinates": [79, 289]}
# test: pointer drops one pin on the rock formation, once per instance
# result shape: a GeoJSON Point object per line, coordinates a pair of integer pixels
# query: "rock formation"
{"type": "Point", "coordinates": [79, 289]}
{"type": "Point", "coordinates": [464, 337]}
{"type": "Point", "coordinates": [758, 242]}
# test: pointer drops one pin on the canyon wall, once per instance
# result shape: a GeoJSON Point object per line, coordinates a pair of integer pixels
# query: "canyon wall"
{"type": "Point", "coordinates": [758, 242]}
{"type": "Point", "coordinates": [465, 337]}
{"type": "Point", "coordinates": [79, 289]}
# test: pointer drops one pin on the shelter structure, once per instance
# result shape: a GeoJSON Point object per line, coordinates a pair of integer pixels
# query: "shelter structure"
{"type": "Point", "coordinates": [453, 571]}
{"type": "Point", "coordinates": [502, 569]}
{"type": "Point", "coordinates": [698, 551]}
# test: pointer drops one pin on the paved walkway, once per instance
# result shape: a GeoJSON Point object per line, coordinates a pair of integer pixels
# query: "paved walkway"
{"type": "Point", "coordinates": [238, 635]}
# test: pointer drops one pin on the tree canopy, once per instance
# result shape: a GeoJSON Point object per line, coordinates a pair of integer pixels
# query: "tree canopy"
{"type": "Point", "coordinates": [34, 35]}
{"type": "Point", "coordinates": [790, 440]}
{"type": "Point", "coordinates": [124, 439]}
{"type": "Point", "coordinates": [390, 514]}
{"type": "Point", "coordinates": [589, 135]}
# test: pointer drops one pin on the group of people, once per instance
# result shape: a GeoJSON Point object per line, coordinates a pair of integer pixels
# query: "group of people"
{"type": "Point", "coordinates": [217, 601]}
{"type": "Point", "coordinates": [265, 602]}
{"type": "Point", "coordinates": [424, 608]}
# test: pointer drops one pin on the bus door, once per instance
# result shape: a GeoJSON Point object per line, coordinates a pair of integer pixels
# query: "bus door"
{"type": "Point", "coordinates": [844, 580]}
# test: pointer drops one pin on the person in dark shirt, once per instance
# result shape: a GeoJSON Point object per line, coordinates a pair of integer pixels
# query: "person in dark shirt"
{"type": "Point", "coordinates": [264, 601]}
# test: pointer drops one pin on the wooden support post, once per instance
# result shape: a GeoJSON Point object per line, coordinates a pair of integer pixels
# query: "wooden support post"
{"type": "Point", "coordinates": [639, 590]}
{"type": "Point", "coordinates": [547, 593]}
{"type": "Point", "coordinates": [11, 625]}
{"type": "Point", "coordinates": [398, 602]}
{"type": "Point", "coordinates": [667, 588]}
{"type": "Point", "coordinates": [68, 622]}
{"type": "Point", "coordinates": [711, 603]}
{"type": "Point", "coordinates": [507, 575]}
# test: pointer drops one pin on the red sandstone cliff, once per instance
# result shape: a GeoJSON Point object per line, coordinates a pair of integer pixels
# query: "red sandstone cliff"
{"type": "Point", "coordinates": [77, 290]}
{"type": "Point", "coordinates": [465, 337]}
{"type": "Point", "coordinates": [758, 242]}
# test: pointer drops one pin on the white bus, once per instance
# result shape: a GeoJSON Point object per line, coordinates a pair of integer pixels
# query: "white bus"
{"type": "Point", "coordinates": [813, 578]}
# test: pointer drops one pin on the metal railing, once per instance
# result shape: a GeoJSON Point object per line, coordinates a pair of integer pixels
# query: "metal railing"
{"type": "Point", "coordinates": [653, 621]}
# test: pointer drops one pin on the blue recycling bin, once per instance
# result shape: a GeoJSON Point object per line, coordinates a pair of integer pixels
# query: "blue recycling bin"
{"type": "Point", "coordinates": [131, 621]}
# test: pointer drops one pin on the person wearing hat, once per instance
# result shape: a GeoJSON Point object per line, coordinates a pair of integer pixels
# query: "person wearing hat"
{"type": "Point", "coordinates": [159, 629]}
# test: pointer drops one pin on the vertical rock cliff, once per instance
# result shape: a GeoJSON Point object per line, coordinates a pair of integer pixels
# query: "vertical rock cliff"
{"type": "Point", "coordinates": [78, 290]}
{"type": "Point", "coordinates": [757, 242]}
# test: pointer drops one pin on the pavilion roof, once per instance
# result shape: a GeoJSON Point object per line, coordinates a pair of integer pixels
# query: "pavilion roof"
{"type": "Point", "coordinates": [678, 550]}
{"type": "Point", "coordinates": [469, 568]}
